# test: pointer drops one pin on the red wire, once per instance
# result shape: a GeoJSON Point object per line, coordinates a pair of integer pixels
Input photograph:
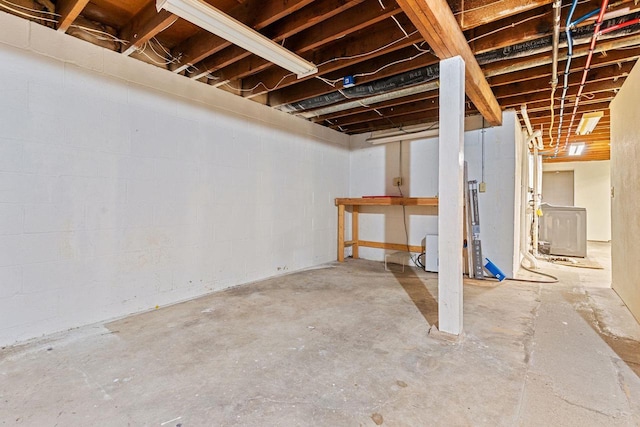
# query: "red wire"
{"type": "Point", "coordinates": [592, 46]}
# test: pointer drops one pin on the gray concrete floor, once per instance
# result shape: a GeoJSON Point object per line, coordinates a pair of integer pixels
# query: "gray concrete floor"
{"type": "Point", "coordinates": [343, 345]}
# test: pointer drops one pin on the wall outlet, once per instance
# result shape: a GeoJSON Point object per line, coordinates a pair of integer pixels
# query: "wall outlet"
{"type": "Point", "coordinates": [397, 181]}
{"type": "Point", "coordinates": [482, 187]}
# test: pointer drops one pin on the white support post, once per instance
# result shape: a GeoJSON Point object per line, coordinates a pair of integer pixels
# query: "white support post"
{"type": "Point", "coordinates": [450, 195]}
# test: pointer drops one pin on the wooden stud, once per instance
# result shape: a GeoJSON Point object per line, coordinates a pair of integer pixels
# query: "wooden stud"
{"type": "Point", "coordinates": [145, 25]}
{"type": "Point", "coordinates": [354, 231]}
{"type": "Point", "coordinates": [341, 233]}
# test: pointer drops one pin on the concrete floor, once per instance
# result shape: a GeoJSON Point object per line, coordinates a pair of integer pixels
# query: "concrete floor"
{"type": "Point", "coordinates": [345, 345]}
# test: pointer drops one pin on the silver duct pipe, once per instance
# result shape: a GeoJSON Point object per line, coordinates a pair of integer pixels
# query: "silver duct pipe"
{"type": "Point", "coordinates": [557, 7]}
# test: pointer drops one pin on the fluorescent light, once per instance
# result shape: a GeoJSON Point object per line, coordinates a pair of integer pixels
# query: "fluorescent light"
{"type": "Point", "coordinates": [215, 21]}
{"type": "Point", "coordinates": [576, 149]}
{"type": "Point", "coordinates": [588, 122]}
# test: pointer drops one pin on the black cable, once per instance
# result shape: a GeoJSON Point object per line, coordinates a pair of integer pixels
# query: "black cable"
{"type": "Point", "coordinates": [418, 262]}
{"type": "Point", "coordinates": [554, 278]}
{"type": "Point", "coordinates": [415, 259]}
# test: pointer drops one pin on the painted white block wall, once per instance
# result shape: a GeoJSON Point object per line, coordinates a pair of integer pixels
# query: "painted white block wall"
{"type": "Point", "coordinates": [373, 169]}
{"type": "Point", "coordinates": [625, 205]}
{"type": "Point", "coordinates": [123, 186]}
{"type": "Point", "coordinates": [592, 190]}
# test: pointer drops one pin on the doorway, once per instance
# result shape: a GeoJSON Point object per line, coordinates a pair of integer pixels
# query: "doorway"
{"type": "Point", "coordinates": [557, 188]}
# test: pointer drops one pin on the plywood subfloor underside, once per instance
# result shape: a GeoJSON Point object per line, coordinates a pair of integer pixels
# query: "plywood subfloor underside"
{"type": "Point", "coordinates": [344, 345]}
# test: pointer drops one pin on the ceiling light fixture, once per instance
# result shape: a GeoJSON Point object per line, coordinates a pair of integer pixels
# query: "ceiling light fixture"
{"type": "Point", "coordinates": [213, 20]}
{"type": "Point", "coordinates": [588, 122]}
{"type": "Point", "coordinates": [576, 149]}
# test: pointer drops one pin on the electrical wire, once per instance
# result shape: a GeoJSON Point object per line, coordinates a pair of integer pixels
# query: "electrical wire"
{"type": "Point", "coordinates": [262, 84]}
{"type": "Point", "coordinates": [506, 27]}
{"type": "Point", "coordinates": [110, 37]}
{"type": "Point", "coordinates": [399, 26]}
{"type": "Point", "coordinates": [414, 258]}
{"type": "Point", "coordinates": [142, 51]}
{"type": "Point", "coordinates": [360, 55]}
{"type": "Point", "coordinates": [552, 277]}
{"type": "Point", "coordinates": [169, 60]}
{"type": "Point", "coordinates": [46, 12]}
{"type": "Point", "coordinates": [8, 6]}
{"type": "Point", "coordinates": [400, 61]}
{"type": "Point", "coordinates": [341, 58]}
{"type": "Point", "coordinates": [162, 47]}
{"type": "Point", "coordinates": [333, 82]}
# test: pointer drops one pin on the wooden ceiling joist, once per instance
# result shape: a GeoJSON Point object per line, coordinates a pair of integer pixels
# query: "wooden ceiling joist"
{"type": "Point", "coordinates": [505, 44]}
{"type": "Point", "coordinates": [438, 26]}
{"type": "Point", "coordinates": [470, 15]}
{"type": "Point", "coordinates": [68, 10]}
{"type": "Point", "coordinates": [145, 25]}
{"type": "Point", "coordinates": [353, 53]}
{"type": "Point", "coordinates": [315, 87]}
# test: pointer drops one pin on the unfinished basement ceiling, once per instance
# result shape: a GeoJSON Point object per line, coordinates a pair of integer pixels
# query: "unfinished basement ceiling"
{"type": "Point", "coordinates": [374, 41]}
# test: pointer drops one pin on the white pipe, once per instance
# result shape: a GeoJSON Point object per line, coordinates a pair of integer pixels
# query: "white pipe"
{"type": "Point", "coordinates": [537, 134]}
{"type": "Point", "coordinates": [537, 167]}
{"type": "Point", "coordinates": [524, 207]}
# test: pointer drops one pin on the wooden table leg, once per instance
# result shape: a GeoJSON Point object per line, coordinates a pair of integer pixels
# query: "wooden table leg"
{"type": "Point", "coordinates": [341, 233]}
{"type": "Point", "coordinates": [354, 231]}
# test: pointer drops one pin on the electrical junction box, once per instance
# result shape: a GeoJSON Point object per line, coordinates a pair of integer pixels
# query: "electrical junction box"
{"type": "Point", "coordinates": [431, 253]}
{"type": "Point", "coordinates": [348, 81]}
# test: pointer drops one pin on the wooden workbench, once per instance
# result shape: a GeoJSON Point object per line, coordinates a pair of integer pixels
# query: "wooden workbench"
{"type": "Point", "coordinates": [353, 205]}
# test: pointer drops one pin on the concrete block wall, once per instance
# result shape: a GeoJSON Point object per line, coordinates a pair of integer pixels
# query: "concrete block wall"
{"type": "Point", "coordinates": [374, 167]}
{"type": "Point", "coordinates": [124, 187]}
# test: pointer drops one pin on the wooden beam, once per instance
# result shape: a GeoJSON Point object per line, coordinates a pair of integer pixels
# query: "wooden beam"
{"type": "Point", "coordinates": [438, 26]}
{"type": "Point", "coordinates": [144, 26]}
{"type": "Point", "coordinates": [68, 10]}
